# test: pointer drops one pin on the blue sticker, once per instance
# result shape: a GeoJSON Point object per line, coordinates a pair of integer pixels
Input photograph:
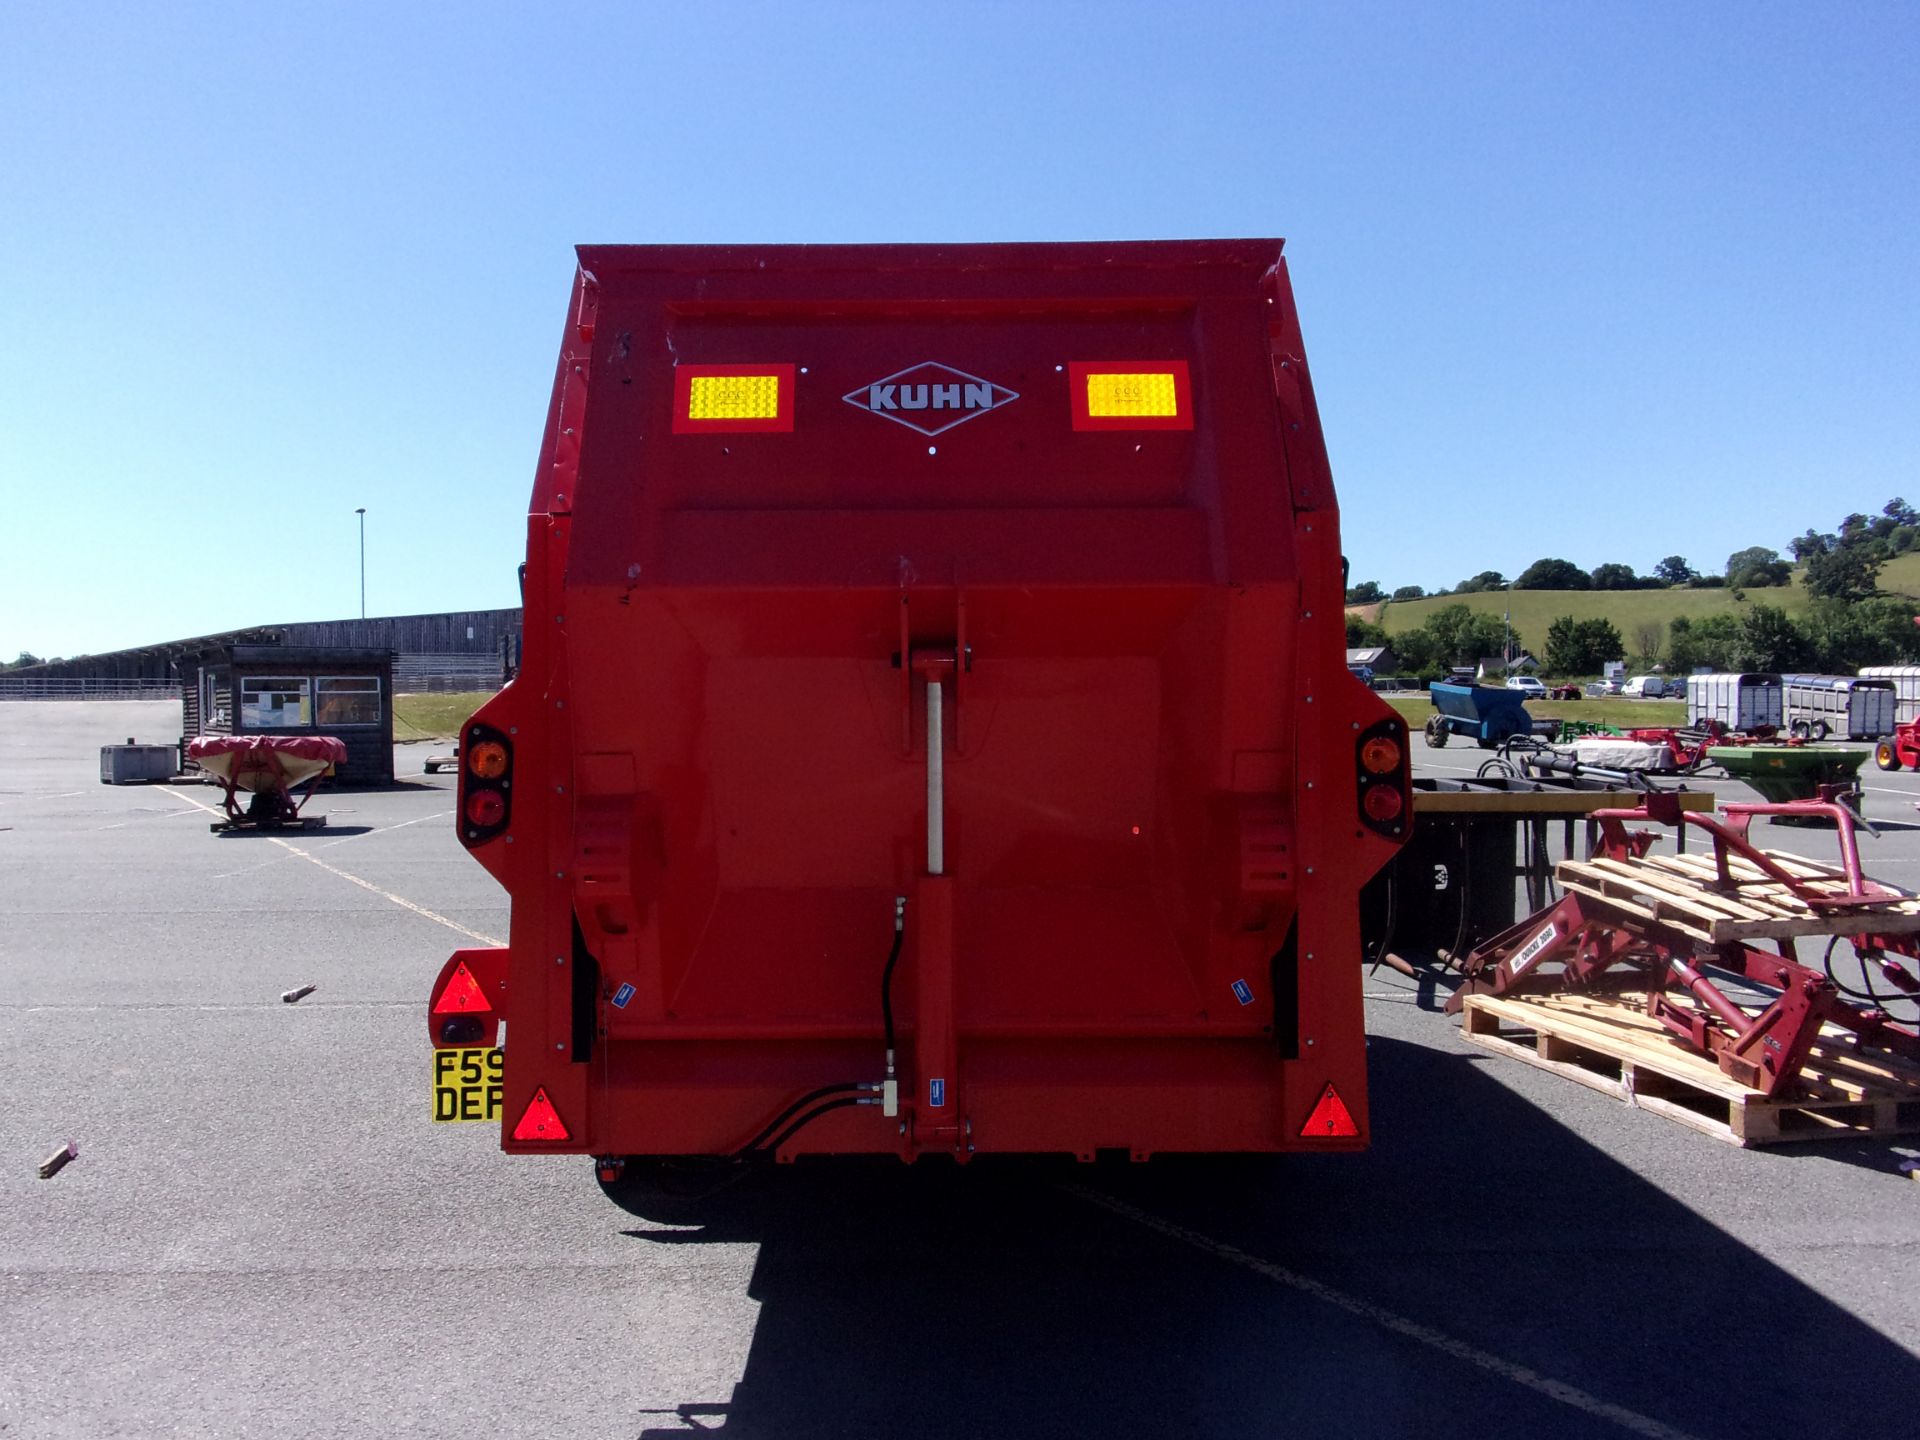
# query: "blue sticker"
{"type": "Point", "coordinates": [936, 1093]}
{"type": "Point", "coordinates": [1243, 992]}
{"type": "Point", "coordinates": [622, 996]}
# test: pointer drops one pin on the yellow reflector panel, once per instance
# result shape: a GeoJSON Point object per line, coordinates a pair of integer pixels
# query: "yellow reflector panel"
{"type": "Point", "coordinates": [734, 397]}
{"type": "Point", "coordinates": [1127, 395]}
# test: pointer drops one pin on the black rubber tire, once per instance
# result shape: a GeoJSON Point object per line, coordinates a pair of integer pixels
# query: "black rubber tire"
{"type": "Point", "coordinates": [1436, 733]}
{"type": "Point", "coordinates": [1495, 741]}
{"type": "Point", "coordinates": [673, 1189]}
{"type": "Point", "coordinates": [1886, 755]}
{"type": "Point", "coordinates": [1800, 730]}
{"type": "Point", "coordinates": [1821, 730]}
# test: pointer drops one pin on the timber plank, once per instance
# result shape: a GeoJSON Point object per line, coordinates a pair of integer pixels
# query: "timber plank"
{"type": "Point", "coordinates": [1628, 907]}
{"type": "Point", "coordinates": [1715, 904]}
{"type": "Point", "coordinates": [1663, 896]}
{"type": "Point", "coordinates": [1610, 1044]}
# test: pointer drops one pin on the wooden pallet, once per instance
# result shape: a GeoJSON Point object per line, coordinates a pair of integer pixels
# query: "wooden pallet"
{"type": "Point", "coordinates": [1681, 893]}
{"type": "Point", "coordinates": [1609, 1043]}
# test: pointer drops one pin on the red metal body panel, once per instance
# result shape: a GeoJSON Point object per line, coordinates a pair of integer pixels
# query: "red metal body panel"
{"type": "Point", "coordinates": [1900, 749]}
{"type": "Point", "coordinates": [1129, 834]}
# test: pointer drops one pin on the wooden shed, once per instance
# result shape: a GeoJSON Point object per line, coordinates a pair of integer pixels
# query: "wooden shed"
{"type": "Point", "coordinates": [346, 692]}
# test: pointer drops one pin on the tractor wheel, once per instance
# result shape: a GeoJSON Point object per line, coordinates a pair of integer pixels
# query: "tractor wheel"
{"type": "Point", "coordinates": [1886, 755]}
{"type": "Point", "coordinates": [1436, 733]}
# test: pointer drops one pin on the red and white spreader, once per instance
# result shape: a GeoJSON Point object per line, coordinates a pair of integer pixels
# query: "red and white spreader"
{"type": "Point", "coordinates": [934, 734]}
{"type": "Point", "coordinates": [277, 773]}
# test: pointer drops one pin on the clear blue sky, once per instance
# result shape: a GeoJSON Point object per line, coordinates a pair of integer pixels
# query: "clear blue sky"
{"type": "Point", "coordinates": [1605, 282]}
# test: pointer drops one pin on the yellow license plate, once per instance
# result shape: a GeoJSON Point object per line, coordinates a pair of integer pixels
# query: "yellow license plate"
{"type": "Point", "coordinates": [466, 1084]}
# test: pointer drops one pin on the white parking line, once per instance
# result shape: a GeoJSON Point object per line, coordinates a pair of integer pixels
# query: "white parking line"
{"type": "Point", "coordinates": [400, 900]}
{"type": "Point", "coordinates": [36, 1008]}
{"type": "Point", "coordinates": [383, 829]}
{"type": "Point", "coordinates": [153, 815]}
{"type": "Point", "coordinates": [1629, 1420]}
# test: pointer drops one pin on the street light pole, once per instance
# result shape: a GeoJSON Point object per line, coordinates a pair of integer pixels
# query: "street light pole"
{"type": "Point", "coordinates": [362, 513]}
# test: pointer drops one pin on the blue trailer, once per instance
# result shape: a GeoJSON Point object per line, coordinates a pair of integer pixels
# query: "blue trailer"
{"type": "Point", "coordinates": [1481, 713]}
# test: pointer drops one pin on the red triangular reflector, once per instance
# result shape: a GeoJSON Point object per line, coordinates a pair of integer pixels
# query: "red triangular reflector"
{"type": "Point", "coordinates": [542, 1121]}
{"type": "Point", "coordinates": [1329, 1117]}
{"type": "Point", "coordinates": [461, 995]}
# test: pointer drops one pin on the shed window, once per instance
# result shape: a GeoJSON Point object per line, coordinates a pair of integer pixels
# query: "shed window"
{"type": "Point", "coordinates": [341, 700]}
{"type": "Point", "coordinates": [274, 702]}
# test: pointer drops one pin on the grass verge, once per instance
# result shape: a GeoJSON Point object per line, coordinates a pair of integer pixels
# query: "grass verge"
{"type": "Point", "coordinates": [439, 717]}
{"type": "Point", "coordinates": [434, 717]}
{"type": "Point", "coordinates": [1621, 714]}
{"type": "Point", "coordinates": [1534, 610]}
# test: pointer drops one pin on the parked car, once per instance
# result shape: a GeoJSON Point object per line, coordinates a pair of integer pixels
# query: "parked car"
{"type": "Point", "coordinates": [1599, 688]}
{"type": "Point", "coordinates": [1529, 687]}
{"type": "Point", "coordinates": [1645, 687]}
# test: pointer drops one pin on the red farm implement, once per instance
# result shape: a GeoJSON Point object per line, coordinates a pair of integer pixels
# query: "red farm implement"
{"type": "Point", "coordinates": [277, 774]}
{"type": "Point", "coordinates": [933, 734]}
{"type": "Point", "coordinates": [1709, 938]}
{"type": "Point", "coordinates": [1900, 750]}
{"type": "Point", "coordinates": [1687, 746]}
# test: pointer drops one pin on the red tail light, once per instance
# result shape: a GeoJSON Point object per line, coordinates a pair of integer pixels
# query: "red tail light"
{"type": "Point", "coordinates": [1386, 788]}
{"type": "Point", "coordinates": [1382, 803]}
{"type": "Point", "coordinates": [486, 808]}
{"type": "Point", "coordinates": [486, 784]}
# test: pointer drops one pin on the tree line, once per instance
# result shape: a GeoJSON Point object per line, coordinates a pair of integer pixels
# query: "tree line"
{"type": "Point", "coordinates": [1843, 564]}
{"type": "Point", "coordinates": [1833, 637]}
{"type": "Point", "coordinates": [1452, 636]}
{"type": "Point", "coordinates": [1847, 624]}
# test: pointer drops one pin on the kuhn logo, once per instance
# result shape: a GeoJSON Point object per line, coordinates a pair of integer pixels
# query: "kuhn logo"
{"type": "Point", "coordinates": [930, 397]}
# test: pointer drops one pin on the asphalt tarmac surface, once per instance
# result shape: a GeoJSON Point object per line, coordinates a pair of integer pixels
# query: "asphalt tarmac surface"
{"type": "Point", "coordinates": [263, 1235]}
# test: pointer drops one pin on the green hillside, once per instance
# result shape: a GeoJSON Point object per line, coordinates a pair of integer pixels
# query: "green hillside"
{"type": "Point", "coordinates": [1534, 610]}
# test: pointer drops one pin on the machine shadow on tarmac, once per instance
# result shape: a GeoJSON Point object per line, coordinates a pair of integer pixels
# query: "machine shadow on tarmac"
{"type": "Point", "coordinates": [329, 832]}
{"type": "Point", "coordinates": [1003, 1301]}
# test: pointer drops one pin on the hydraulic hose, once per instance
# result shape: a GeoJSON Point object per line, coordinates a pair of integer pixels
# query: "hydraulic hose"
{"type": "Point", "coordinates": [814, 1114]}
{"type": "Point", "coordinates": [805, 1100]}
{"type": "Point", "coordinates": [1393, 916]}
{"type": "Point", "coordinates": [1872, 994]}
{"type": "Point", "coordinates": [848, 1092]}
{"type": "Point", "coordinates": [1455, 960]}
{"type": "Point", "coordinates": [886, 975]}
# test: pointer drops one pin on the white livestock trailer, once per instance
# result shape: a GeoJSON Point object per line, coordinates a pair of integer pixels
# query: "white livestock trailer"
{"type": "Point", "coordinates": [1906, 687]}
{"type": "Point", "coordinates": [1848, 707]}
{"type": "Point", "coordinates": [1739, 702]}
